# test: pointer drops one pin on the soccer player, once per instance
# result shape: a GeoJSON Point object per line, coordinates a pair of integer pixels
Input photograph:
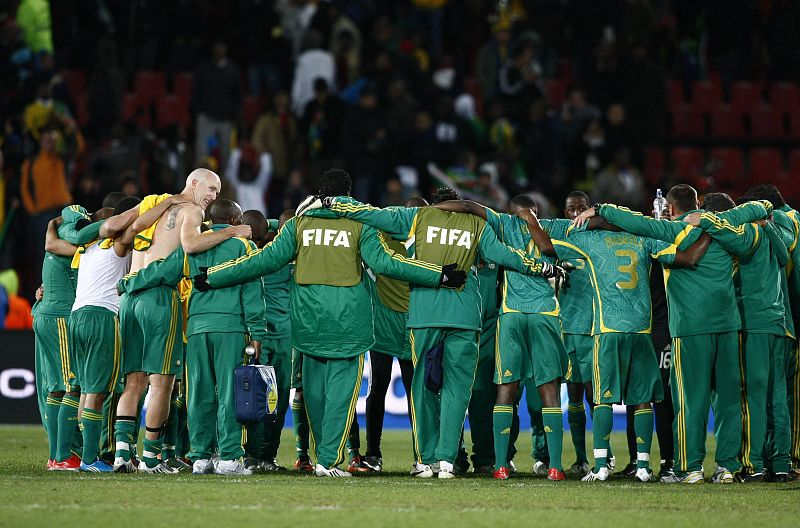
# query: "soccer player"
{"type": "Point", "coordinates": [51, 315]}
{"type": "Point", "coordinates": [150, 322]}
{"type": "Point", "coordinates": [331, 310]}
{"type": "Point", "coordinates": [390, 298]}
{"type": "Point", "coordinates": [704, 346]}
{"type": "Point", "coordinates": [758, 291]}
{"type": "Point", "coordinates": [94, 326]}
{"type": "Point", "coordinates": [529, 344]}
{"type": "Point", "coordinates": [444, 324]}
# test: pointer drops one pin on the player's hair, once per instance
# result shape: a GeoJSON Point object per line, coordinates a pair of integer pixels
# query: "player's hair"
{"type": "Point", "coordinates": [222, 210]}
{"type": "Point", "coordinates": [443, 194]}
{"type": "Point", "coordinates": [129, 202]}
{"type": "Point", "coordinates": [112, 199]}
{"type": "Point", "coordinates": [335, 182]}
{"type": "Point", "coordinates": [578, 194]}
{"type": "Point", "coordinates": [416, 201]}
{"type": "Point", "coordinates": [257, 222]}
{"type": "Point", "coordinates": [521, 201]}
{"type": "Point", "coordinates": [743, 199]}
{"type": "Point", "coordinates": [717, 202]}
{"type": "Point", "coordinates": [767, 191]}
{"type": "Point", "coordinates": [682, 197]}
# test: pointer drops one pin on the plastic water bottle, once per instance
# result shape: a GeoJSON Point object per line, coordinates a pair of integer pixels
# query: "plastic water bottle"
{"type": "Point", "coordinates": [658, 205]}
{"type": "Point", "coordinates": [250, 350]}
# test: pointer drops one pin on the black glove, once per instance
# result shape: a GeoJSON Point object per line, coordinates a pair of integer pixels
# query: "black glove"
{"type": "Point", "coordinates": [451, 277]}
{"type": "Point", "coordinates": [549, 271]}
{"type": "Point", "coordinates": [201, 281]}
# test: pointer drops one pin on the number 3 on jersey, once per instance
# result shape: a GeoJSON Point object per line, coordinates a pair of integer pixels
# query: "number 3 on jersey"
{"type": "Point", "coordinates": [628, 269]}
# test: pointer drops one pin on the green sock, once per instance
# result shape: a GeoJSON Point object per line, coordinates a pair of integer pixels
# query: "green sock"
{"type": "Point", "coordinates": [171, 431]}
{"type": "Point", "coordinates": [124, 429]}
{"type": "Point", "coordinates": [603, 422]}
{"type": "Point", "coordinates": [576, 417]}
{"type": "Point", "coordinates": [554, 432]}
{"type": "Point", "coordinates": [502, 416]}
{"type": "Point", "coordinates": [150, 451]}
{"type": "Point", "coordinates": [300, 426]}
{"type": "Point", "coordinates": [51, 413]}
{"type": "Point", "coordinates": [67, 425]}
{"type": "Point", "coordinates": [643, 426]}
{"type": "Point", "coordinates": [91, 423]}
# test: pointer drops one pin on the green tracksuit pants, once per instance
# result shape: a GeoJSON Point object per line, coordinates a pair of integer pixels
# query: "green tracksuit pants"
{"type": "Point", "coordinates": [793, 398]}
{"type": "Point", "coordinates": [481, 404]}
{"type": "Point", "coordinates": [278, 353]}
{"type": "Point", "coordinates": [437, 419]}
{"type": "Point", "coordinates": [765, 413]}
{"type": "Point", "coordinates": [210, 360]}
{"type": "Point", "coordinates": [330, 392]}
{"type": "Point", "coordinates": [701, 363]}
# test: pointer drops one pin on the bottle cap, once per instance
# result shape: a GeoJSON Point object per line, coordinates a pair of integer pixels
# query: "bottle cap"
{"type": "Point", "coordinates": [250, 350]}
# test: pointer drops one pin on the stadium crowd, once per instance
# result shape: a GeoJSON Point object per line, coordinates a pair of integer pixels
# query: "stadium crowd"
{"type": "Point", "coordinates": [414, 100]}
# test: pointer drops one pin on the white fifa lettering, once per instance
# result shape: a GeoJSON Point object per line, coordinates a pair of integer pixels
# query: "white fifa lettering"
{"type": "Point", "coordinates": [449, 237]}
{"type": "Point", "coordinates": [433, 232]}
{"type": "Point", "coordinates": [341, 240]}
{"type": "Point", "coordinates": [330, 234]}
{"type": "Point", "coordinates": [308, 236]}
{"type": "Point", "coordinates": [325, 237]}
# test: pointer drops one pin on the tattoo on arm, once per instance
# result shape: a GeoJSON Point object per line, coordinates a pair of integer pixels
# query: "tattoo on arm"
{"type": "Point", "coordinates": [171, 218]}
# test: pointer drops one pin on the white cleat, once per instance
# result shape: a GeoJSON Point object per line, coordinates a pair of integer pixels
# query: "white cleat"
{"type": "Point", "coordinates": [540, 468]}
{"type": "Point", "coordinates": [320, 471]}
{"type": "Point", "coordinates": [644, 475]}
{"type": "Point", "coordinates": [611, 463]}
{"type": "Point", "coordinates": [600, 476]}
{"type": "Point", "coordinates": [422, 470]}
{"type": "Point", "coordinates": [446, 470]}
{"type": "Point", "coordinates": [123, 466]}
{"type": "Point", "coordinates": [722, 476]}
{"type": "Point", "coordinates": [161, 468]}
{"type": "Point", "coordinates": [580, 469]}
{"type": "Point", "coordinates": [693, 477]}
{"type": "Point", "coordinates": [231, 467]}
{"type": "Point", "coordinates": [203, 466]}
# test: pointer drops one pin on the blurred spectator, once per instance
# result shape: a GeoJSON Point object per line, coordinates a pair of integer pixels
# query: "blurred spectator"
{"type": "Point", "coordinates": [452, 134]}
{"type": "Point", "coordinates": [217, 100]}
{"type": "Point", "coordinates": [429, 16]}
{"type": "Point", "coordinates": [250, 175]}
{"type": "Point", "coordinates": [276, 132]}
{"type": "Point", "coordinates": [465, 109]}
{"type": "Point", "coordinates": [296, 16]}
{"type": "Point", "coordinates": [620, 182]}
{"type": "Point", "coordinates": [393, 193]}
{"type": "Point", "coordinates": [501, 130]}
{"type": "Point", "coordinates": [313, 63]}
{"type": "Point", "coordinates": [44, 111]}
{"type": "Point", "coordinates": [296, 190]}
{"type": "Point", "coordinates": [267, 47]}
{"type": "Point", "coordinates": [33, 16]}
{"type": "Point", "coordinates": [18, 313]}
{"type": "Point", "coordinates": [401, 109]}
{"type": "Point", "coordinates": [520, 79]}
{"type": "Point", "coordinates": [492, 56]}
{"type": "Point", "coordinates": [645, 96]}
{"type": "Point", "coordinates": [538, 142]}
{"type": "Point", "coordinates": [130, 184]}
{"type": "Point", "coordinates": [366, 146]}
{"type": "Point", "coordinates": [592, 152]}
{"type": "Point", "coordinates": [342, 38]}
{"type": "Point", "coordinates": [322, 125]}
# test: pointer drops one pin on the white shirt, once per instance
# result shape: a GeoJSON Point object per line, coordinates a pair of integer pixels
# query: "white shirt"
{"type": "Point", "coordinates": [98, 274]}
{"type": "Point", "coordinates": [250, 195]}
{"type": "Point", "coordinates": [310, 65]}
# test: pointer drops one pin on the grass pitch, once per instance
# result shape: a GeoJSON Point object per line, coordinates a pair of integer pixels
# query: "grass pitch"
{"type": "Point", "coordinates": [32, 497]}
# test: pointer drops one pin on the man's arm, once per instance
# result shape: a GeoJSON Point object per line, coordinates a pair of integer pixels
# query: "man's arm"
{"type": "Point", "coordinates": [255, 317]}
{"type": "Point", "coordinates": [123, 242]}
{"type": "Point", "coordinates": [463, 206]}
{"type": "Point", "coordinates": [193, 241]}
{"type": "Point", "coordinates": [491, 249]}
{"type": "Point", "coordinates": [739, 240]}
{"type": "Point", "coordinates": [384, 261]}
{"type": "Point", "coordinates": [679, 233]}
{"type": "Point", "coordinates": [54, 245]}
{"type": "Point", "coordinates": [271, 257]}
{"type": "Point", "coordinates": [118, 223]}
{"type": "Point", "coordinates": [162, 272]}
{"type": "Point", "coordinates": [396, 221]}
{"type": "Point", "coordinates": [776, 243]}
{"type": "Point", "coordinates": [747, 212]}
{"type": "Point", "coordinates": [540, 238]}
{"type": "Point", "coordinates": [690, 256]}
{"type": "Point", "coordinates": [70, 233]}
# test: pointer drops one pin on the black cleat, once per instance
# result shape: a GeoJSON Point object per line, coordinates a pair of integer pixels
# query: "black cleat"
{"type": "Point", "coordinates": [743, 476]}
{"type": "Point", "coordinates": [628, 471]}
{"type": "Point", "coordinates": [667, 467]}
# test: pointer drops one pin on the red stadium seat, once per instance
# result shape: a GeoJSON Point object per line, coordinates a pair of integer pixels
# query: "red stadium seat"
{"type": "Point", "coordinates": [686, 122]}
{"type": "Point", "coordinates": [182, 85]}
{"type": "Point", "coordinates": [251, 109]}
{"type": "Point", "coordinates": [794, 124]}
{"type": "Point", "coordinates": [653, 164]}
{"type": "Point", "coordinates": [676, 93]}
{"type": "Point", "coordinates": [766, 123]}
{"type": "Point", "coordinates": [76, 83]}
{"type": "Point", "coordinates": [726, 124]}
{"type": "Point", "coordinates": [727, 166]}
{"type": "Point", "coordinates": [132, 110]}
{"type": "Point", "coordinates": [688, 163]}
{"type": "Point", "coordinates": [765, 164]}
{"type": "Point", "coordinates": [556, 92]}
{"type": "Point", "coordinates": [706, 96]}
{"type": "Point", "coordinates": [794, 171]}
{"type": "Point", "coordinates": [785, 97]}
{"type": "Point", "coordinates": [150, 86]}
{"type": "Point", "coordinates": [172, 111]}
{"type": "Point", "coordinates": [745, 97]}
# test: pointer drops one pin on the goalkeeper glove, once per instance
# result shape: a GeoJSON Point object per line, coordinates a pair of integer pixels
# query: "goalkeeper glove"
{"type": "Point", "coordinates": [451, 277]}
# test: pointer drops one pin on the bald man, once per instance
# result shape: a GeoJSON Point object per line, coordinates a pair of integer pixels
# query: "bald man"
{"type": "Point", "coordinates": [150, 321]}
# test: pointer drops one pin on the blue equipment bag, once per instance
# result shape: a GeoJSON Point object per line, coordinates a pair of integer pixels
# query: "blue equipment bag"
{"type": "Point", "coordinates": [255, 393]}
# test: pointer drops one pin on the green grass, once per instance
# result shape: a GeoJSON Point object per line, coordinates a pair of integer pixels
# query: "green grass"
{"type": "Point", "coordinates": [32, 497]}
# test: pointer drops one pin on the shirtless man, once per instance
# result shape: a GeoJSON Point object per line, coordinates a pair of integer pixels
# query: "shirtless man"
{"type": "Point", "coordinates": [151, 321]}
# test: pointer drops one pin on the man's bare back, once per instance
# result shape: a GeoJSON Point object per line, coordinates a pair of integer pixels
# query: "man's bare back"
{"type": "Point", "coordinates": [166, 238]}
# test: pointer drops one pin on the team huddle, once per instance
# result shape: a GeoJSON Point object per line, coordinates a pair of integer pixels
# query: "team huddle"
{"type": "Point", "coordinates": [163, 296]}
